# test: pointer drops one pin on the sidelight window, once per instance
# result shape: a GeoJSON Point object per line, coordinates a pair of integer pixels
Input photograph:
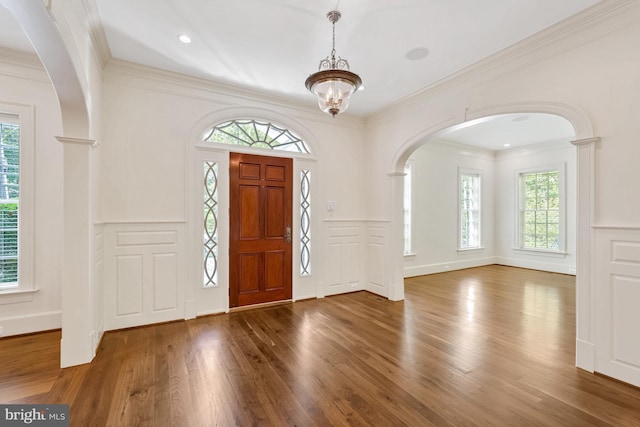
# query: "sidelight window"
{"type": "Point", "coordinates": [210, 224]}
{"type": "Point", "coordinates": [305, 222]}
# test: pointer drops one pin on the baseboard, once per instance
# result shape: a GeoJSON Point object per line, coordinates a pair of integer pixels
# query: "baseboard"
{"type": "Point", "coordinates": [29, 323]}
{"type": "Point", "coordinates": [537, 265]}
{"type": "Point", "coordinates": [585, 355]}
{"type": "Point", "coordinates": [447, 266]}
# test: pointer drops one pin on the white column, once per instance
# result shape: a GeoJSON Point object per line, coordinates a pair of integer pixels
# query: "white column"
{"type": "Point", "coordinates": [585, 281]}
{"type": "Point", "coordinates": [78, 302]}
{"type": "Point", "coordinates": [395, 261]}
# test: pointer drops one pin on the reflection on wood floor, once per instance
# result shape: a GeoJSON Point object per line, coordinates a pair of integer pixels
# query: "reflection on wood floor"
{"type": "Point", "coordinates": [489, 346]}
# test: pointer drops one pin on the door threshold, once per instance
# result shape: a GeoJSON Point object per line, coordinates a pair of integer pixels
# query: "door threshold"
{"type": "Point", "coordinates": [259, 305]}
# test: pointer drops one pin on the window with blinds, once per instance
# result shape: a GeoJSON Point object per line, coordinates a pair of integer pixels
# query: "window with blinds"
{"type": "Point", "coordinates": [9, 199]}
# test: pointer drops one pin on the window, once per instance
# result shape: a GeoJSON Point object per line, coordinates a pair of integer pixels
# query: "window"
{"type": "Point", "coordinates": [541, 207]}
{"type": "Point", "coordinates": [305, 222]}
{"type": "Point", "coordinates": [210, 224]}
{"type": "Point", "coordinates": [257, 134]}
{"type": "Point", "coordinates": [16, 201]}
{"type": "Point", "coordinates": [408, 193]}
{"type": "Point", "coordinates": [470, 188]}
{"type": "Point", "coordinates": [9, 200]}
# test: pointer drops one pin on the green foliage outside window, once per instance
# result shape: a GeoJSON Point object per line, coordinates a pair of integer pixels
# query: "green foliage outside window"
{"type": "Point", "coordinates": [541, 210]}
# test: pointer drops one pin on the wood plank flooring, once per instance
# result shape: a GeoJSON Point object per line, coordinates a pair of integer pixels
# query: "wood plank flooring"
{"type": "Point", "coordinates": [489, 346]}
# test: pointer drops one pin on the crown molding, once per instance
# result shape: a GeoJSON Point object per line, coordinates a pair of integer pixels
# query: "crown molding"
{"type": "Point", "coordinates": [98, 37]}
{"type": "Point", "coordinates": [23, 65]}
{"type": "Point", "coordinates": [204, 88]}
{"type": "Point", "coordinates": [575, 31]}
{"type": "Point", "coordinates": [20, 58]}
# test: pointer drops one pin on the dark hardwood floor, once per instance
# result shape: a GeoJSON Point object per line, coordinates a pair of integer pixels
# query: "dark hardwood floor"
{"type": "Point", "coordinates": [489, 346]}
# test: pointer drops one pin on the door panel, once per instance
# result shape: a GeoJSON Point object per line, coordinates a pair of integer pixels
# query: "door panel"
{"type": "Point", "coordinates": [249, 211]}
{"type": "Point", "coordinates": [249, 272]}
{"type": "Point", "coordinates": [260, 219]}
{"type": "Point", "coordinates": [274, 270]}
{"type": "Point", "coordinates": [275, 173]}
{"type": "Point", "coordinates": [275, 227]}
{"type": "Point", "coordinates": [249, 170]}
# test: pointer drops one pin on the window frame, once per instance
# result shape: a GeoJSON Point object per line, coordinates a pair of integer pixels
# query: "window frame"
{"type": "Point", "coordinates": [480, 175]}
{"type": "Point", "coordinates": [519, 208]}
{"type": "Point", "coordinates": [22, 291]}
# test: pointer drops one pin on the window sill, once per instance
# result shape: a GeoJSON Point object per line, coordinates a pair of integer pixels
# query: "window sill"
{"type": "Point", "coordinates": [542, 252]}
{"type": "Point", "coordinates": [465, 250]}
{"type": "Point", "coordinates": [12, 296]}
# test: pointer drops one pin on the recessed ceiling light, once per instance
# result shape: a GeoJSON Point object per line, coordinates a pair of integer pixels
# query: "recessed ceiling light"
{"type": "Point", "coordinates": [417, 53]}
{"type": "Point", "coordinates": [507, 145]}
{"type": "Point", "coordinates": [520, 119]}
{"type": "Point", "coordinates": [184, 38]}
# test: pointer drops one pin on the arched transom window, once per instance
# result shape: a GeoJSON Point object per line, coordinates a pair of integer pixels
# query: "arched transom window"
{"type": "Point", "coordinates": [257, 134]}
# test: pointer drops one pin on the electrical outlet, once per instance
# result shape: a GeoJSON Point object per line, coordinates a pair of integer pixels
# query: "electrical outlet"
{"type": "Point", "coordinates": [572, 271]}
{"type": "Point", "coordinates": [354, 286]}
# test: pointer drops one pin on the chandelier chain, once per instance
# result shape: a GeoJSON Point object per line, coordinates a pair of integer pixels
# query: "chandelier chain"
{"type": "Point", "coordinates": [333, 50]}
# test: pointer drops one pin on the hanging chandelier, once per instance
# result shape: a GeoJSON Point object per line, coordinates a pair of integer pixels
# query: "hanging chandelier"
{"type": "Point", "coordinates": [333, 83]}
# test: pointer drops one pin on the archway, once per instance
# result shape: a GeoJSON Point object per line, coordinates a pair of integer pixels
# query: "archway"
{"type": "Point", "coordinates": [585, 187]}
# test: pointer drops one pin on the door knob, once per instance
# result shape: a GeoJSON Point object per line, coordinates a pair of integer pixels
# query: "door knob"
{"type": "Point", "coordinates": [287, 234]}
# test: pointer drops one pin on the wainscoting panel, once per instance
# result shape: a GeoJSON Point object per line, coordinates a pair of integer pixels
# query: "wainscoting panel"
{"type": "Point", "coordinates": [617, 301]}
{"type": "Point", "coordinates": [128, 285]}
{"type": "Point", "coordinates": [145, 273]}
{"type": "Point", "coordinates": [165, 281]}
{"type": "Point", "coordinates": [344, 259]}
{"type": "Point", "coordinates": [376, 257]}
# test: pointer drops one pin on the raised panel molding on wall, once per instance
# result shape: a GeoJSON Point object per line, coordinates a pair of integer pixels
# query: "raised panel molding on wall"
{"type": "Point", "coordinates": [345, 257]}
{"type": "Point", "coordinates": [376, 259]}
{"type": "Point", "coordinates": [617, 294]}
{"type": "Point", "coordinates": [144, 273]}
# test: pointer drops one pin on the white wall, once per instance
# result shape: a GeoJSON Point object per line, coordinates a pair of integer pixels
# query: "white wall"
{"type": "Point", "coordinates": [24, 82]}
{"type": "Point", "coordinates": [435, 208]}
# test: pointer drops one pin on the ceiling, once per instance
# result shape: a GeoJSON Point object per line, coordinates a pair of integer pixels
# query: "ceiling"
{"type": "Point", "coordinates": [507, 131]}
{"type": "Point", "coordinates": [272, 46]}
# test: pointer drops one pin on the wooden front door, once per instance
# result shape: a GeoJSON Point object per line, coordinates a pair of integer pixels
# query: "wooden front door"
{"type": "Point", "coordinates": [260, 229]}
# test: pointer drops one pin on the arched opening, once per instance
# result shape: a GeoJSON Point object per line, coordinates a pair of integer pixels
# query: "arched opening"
{"type": "Point", "coordinates": [584, 141]}
{"type": "Point", "coordinates": [500, 189]}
